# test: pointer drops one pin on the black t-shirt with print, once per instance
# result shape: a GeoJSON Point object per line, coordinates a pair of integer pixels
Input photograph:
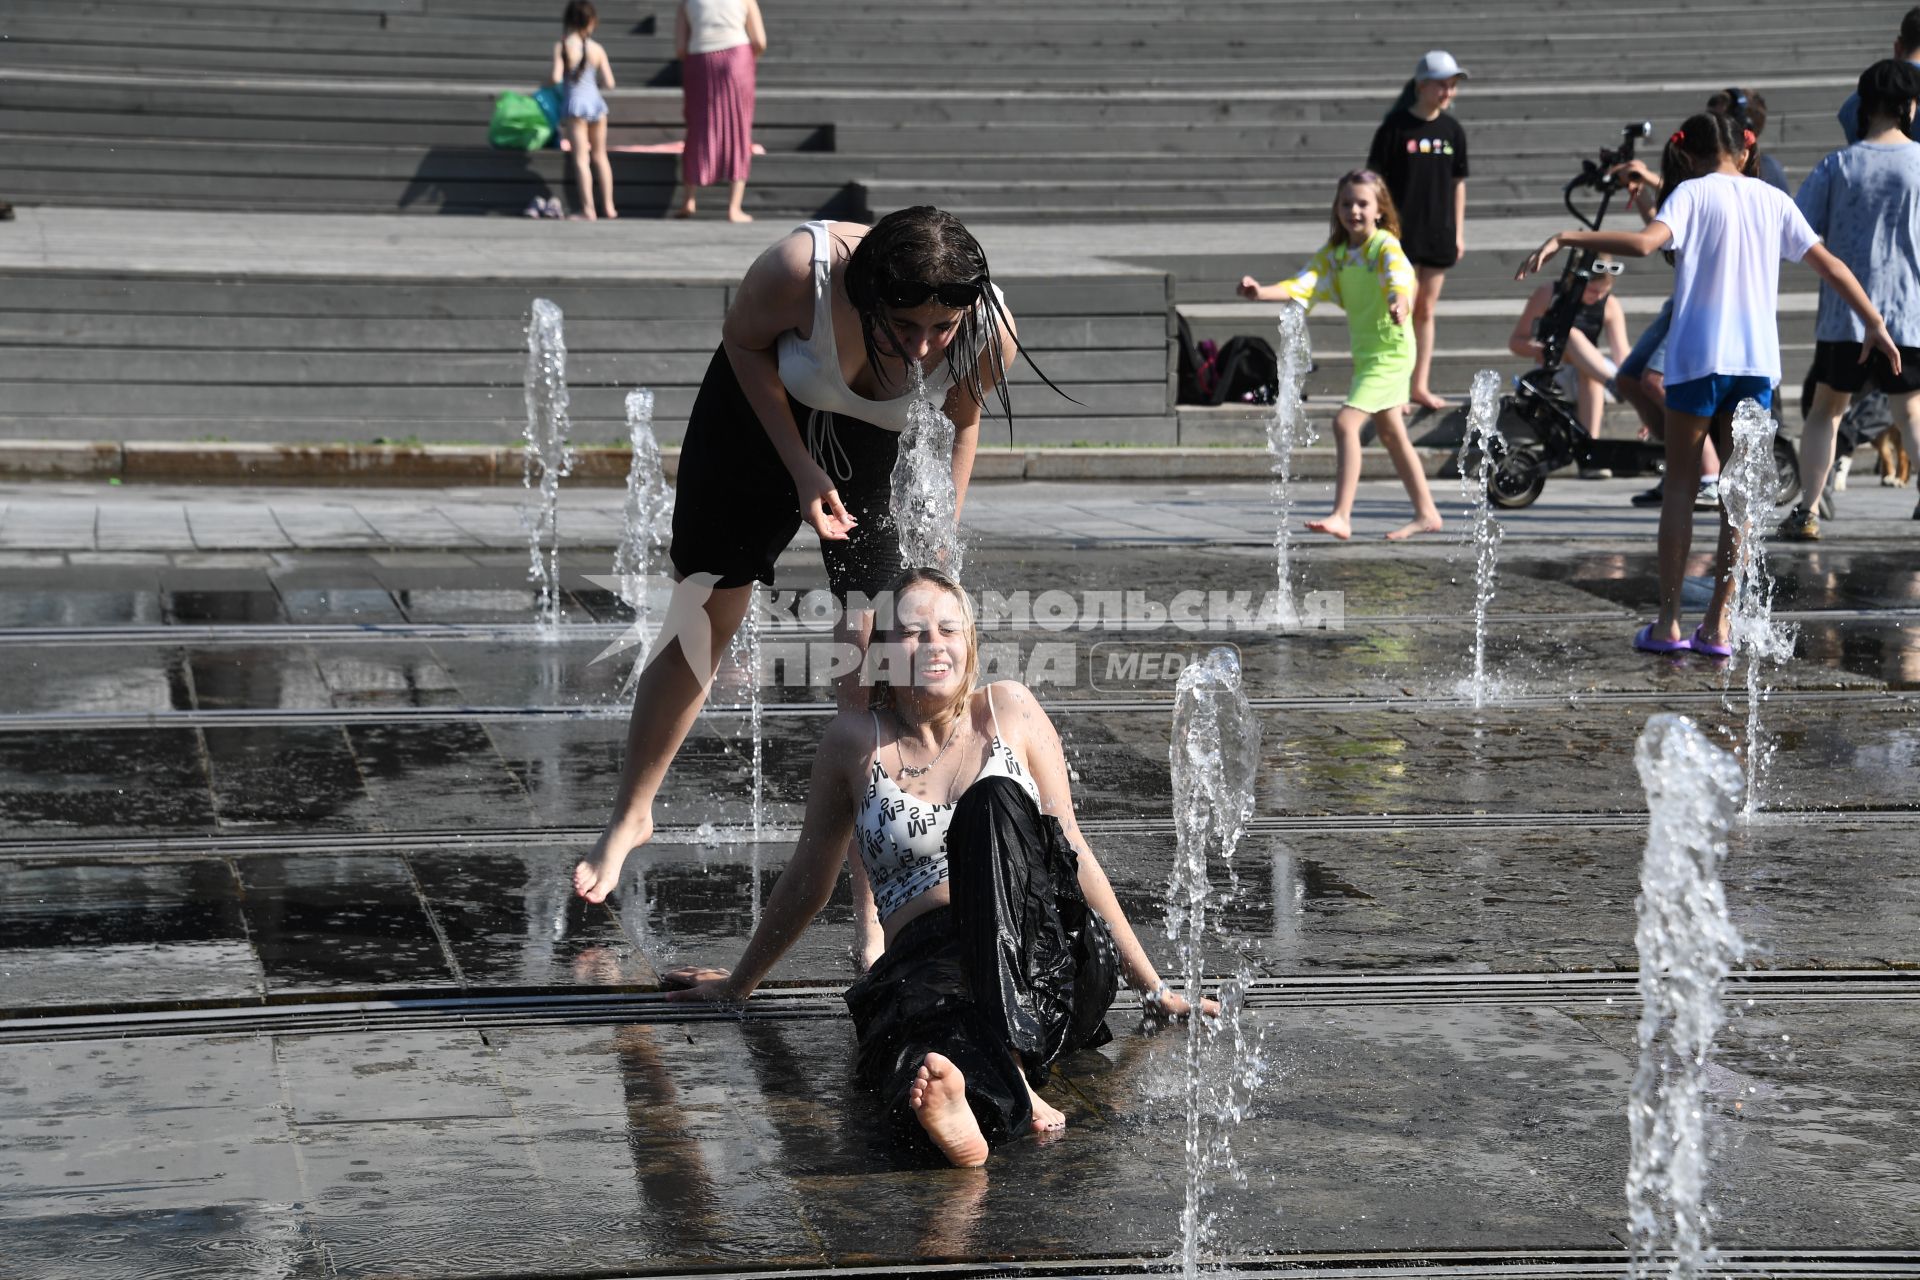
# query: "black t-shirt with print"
{"type": "Point", "coordinates": [1421, 161]}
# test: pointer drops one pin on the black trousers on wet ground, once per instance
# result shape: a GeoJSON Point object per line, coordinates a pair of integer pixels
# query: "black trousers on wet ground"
{"type": "Point", "coordinates": [1018, 963]}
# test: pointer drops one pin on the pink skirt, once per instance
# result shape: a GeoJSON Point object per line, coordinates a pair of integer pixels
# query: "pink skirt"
{"type": "Point", "coordinates": [719, 114]}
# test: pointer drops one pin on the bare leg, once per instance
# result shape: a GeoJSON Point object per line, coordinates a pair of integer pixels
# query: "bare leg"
{"type": "Point", "coordinates": [938, 1097]}
{"type": "Point", "coordinates": [665, 706]}
{"type": "Point", "coordinates": [1346, 434]}
{"type": "Point", "coordinates": [1393, 434]}
{"type": "Point", "coordinates": [736, 192]}
{"type": "Point", "coordinates": [1816, 440]}
{"type": "Point", "coordinates": [1586, 358]}
{"type": "Point", "coordinates": [686, 208]}
{"type": "Point", "coordinates": [1713, 626]}
{"type": "Point", "coordinates": [1686, 434]}
{"type": "Point", "coordinates": [603, 165]}
{"type": "Point", "coordinates": [1906, 416]}
{"type": "Point", "coordinates": [1046, 1117]}
{"type": "Point", "coordinates": [1647, 395]}
{"type": "Point", "coordinates": [1591, 407]}
{"type": "Point", "coordinates": [852, 696]}
{"type": "Point", "coordinates": [581, 153]}
{"type": "Point", "coordinates": [1426, 301]}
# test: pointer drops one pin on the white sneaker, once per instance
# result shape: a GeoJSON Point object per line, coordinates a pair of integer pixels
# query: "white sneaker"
{"type": "Point", "coordinates": [1840, 468]}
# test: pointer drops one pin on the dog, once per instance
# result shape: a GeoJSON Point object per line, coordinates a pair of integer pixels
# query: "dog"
{"type": "Point", "coordinates": [1893, 467]}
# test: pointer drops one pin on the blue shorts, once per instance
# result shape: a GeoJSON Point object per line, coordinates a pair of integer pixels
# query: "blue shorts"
{"type": "Point", "coordinates": [1717, 393]}
{"type": "Point", "coordinates": [1650, 352]}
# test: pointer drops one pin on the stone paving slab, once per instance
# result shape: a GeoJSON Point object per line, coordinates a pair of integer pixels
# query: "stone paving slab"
{"type": "Point", "coordinates": [667, 1148]}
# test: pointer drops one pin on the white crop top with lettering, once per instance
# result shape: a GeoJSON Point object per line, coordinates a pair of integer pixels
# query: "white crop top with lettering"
{"type": "Point", "coordinates": [903, 838]}
{"type": "Point", "coordinates": [810, 366]}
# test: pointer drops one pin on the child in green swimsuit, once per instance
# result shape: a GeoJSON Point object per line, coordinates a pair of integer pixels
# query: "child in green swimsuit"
{"type": "Point", "coordinates": [1363, 269]}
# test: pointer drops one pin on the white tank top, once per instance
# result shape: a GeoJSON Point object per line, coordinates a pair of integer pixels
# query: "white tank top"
{"type": "Point", "coordinates": [810, 367]}
{"type": "Point", "coordinates": [903, 839]}
{"type": "Point", "coordinates": [714, 25]}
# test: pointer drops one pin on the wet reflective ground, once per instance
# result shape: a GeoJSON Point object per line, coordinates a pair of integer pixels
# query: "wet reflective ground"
{"type": "Point", "coordinates": [266, 822]}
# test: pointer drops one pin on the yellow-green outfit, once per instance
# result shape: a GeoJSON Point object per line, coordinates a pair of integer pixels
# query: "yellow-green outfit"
{"type": "Point", "coordinates": [1360, 280]}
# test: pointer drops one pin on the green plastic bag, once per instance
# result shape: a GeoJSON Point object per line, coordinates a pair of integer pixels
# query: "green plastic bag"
{"type": "Point", "coordinates": [518, 123]}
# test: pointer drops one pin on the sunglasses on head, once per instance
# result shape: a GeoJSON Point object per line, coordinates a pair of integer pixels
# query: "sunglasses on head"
{"type": "Point", "coordinates": [913, 293]}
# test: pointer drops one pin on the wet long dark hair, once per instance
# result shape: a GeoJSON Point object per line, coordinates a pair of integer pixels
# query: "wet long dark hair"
{"type": "Point", "coordinates": [579, 19]}
{"type": "Point", "coordinates": [927, 246]}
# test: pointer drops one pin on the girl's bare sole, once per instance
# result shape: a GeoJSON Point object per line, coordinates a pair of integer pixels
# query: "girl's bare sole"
{"type": "Point", "coordinates": [1337, 526]}
{"type": "Point", "coordinates": [1430, 524]}
{"type": "Point", "coordinates": [938, 1097]}
{"type": "Point", "coordinates": [598, 874]}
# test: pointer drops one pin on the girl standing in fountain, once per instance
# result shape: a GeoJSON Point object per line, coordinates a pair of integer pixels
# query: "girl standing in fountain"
{"type": "Point", "coordinates": [822, 331]}
{"type": "Point", "coordinates": [1004, 941]}
{"type": "Point", "coordinates": [1728, 233]}
{"type": "Point", "coordinates": [580, 67]}
{"type": "Point", "coordinates": [1363, 269]}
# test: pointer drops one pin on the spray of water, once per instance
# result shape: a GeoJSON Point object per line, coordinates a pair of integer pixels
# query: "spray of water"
{"type": "Point", "coordinates": [546, 458]}
{"type": "Point", "coordinates": [743, 660]}
{"type": "Point", "coordinates": [1687, 946]}
{"type": "Point", "coordinates": [1748, 485]}
{"type": "Point", "coordinates": [1287, 430]}
{"type": "Point", "coordinates": [1214, 754]}
{"type": "Point", "coordinates": [924, 504]}
{"type": "Point", "coordinates": [1476, 462]}
{"type": "Point", "coordinates": [648, 523]}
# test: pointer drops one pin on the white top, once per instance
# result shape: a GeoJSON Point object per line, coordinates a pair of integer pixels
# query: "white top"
{"type": "Point", "coordinates": [810, 366]}
{"type": "Point", "coordinates": [1729, 234]}
{"type": "Point", "coordinates": [903, 838]}
{"type": "Point", "coordinates": [714, 25]}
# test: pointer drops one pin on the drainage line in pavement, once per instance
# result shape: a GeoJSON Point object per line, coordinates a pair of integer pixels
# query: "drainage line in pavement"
{"type": "Point", "coordinates": [216, 844]}
{"type": "Point", "coordinates": [377, 1012]}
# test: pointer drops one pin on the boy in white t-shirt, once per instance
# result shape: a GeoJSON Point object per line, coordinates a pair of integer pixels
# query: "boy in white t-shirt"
{"type": "Point", "coordinates": [1728, 234]}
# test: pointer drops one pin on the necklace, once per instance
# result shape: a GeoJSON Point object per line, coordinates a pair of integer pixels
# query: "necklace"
{"type": "Point", "coordinates": [921, 771]}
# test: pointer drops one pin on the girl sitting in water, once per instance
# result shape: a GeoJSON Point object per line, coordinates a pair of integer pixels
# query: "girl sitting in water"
{"type": "Point", "coordinates": [1362, 268]}
{"type": "Point", "coordinates": [965, 825]}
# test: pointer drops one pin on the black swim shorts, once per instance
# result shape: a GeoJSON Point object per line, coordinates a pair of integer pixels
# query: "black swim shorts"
{"type": "Point", "coordinates": [735, 509]}
{"type": "Point", "coordinates": [1838, 365]}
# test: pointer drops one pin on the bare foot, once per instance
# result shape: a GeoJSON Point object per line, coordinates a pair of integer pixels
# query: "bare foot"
{"type": "Point", "coordinates": [1338, 526]}
{"type": "Point", "coordinates": [1428, 400]}
{"type": "Point", "coordinates": [684, 211]}
{"type": "Point", "coordinates": [1046, 1118]}
{"type": "Point", "coordinates": [598, 874]}
{"type": "Point", "coordinates": [734, 215]}
{"type": "Point", "coordinates": [1422, 524]}
{"type": "Point", "coordinates": [938, 1097]}
{"type": "Point", "coordinates": [612, 214]}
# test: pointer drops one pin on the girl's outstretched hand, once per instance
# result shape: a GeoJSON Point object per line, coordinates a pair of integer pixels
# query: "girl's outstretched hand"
{"type": "Point", "coordinates": [1538, 258]}
{"type": "Point", "coordinates": [820, 504]}
{"type": "Point", "coordinates": [1248, 288]}
{"type": "Point", "coordinates": [695, 983]}
{"type": "Point", "coordinates": [1173, 1006]}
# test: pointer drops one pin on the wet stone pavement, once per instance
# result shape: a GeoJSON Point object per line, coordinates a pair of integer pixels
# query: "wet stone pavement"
{"type": "Point", "coordinates": [291, 983]}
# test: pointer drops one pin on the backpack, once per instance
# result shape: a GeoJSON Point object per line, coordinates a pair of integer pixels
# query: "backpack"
{"type": "Point", "coordinates": [1244, 370]}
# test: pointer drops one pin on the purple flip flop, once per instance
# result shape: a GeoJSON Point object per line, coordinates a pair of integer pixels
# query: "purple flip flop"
{"type": "Point", "coordinates": [1643, 641]}
{"type": "Point", "coordinates": [1701, 644]}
